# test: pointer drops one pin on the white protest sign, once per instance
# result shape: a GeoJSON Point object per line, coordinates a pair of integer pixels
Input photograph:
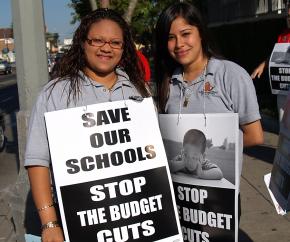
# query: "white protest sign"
{"type": "Point", "coordinates": [203, 159]}
{"type": "Point", "coordinates": [280, 174]}
{"type": "Point", "coordinates": [279, 210]}
{"type": "Point", "coordinates": [111, 173]}
{"type": "Point", "coordinates": [279, 69]}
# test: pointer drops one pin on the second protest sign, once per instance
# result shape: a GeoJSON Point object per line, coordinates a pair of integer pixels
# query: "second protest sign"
{"type": "Point", "coordinates": [203, 158]}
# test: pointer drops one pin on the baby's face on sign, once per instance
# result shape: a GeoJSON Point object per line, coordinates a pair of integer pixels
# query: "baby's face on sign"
{"type": "Point", "coordinates": [192, 154]}
{"type": "Point", "coordinates": [192, 151]}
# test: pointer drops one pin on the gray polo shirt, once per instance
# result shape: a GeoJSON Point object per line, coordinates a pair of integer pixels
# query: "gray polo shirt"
{"type": "Point", "coordinates": [37, 151]}
{"type": "Point", "coordinates": [228, 89]}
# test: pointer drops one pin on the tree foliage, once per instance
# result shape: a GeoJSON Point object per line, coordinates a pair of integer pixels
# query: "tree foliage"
{"type": "Point", "coordinates": [143, 19]}
{"type": "Point", "coordinates": [80, 8]}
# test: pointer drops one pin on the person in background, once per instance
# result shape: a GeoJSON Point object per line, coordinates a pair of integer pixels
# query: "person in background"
{"type": "Point", "coordinates": [144, 65]}
{"type": "Point", "coordinates": [101, 66]}
{"type": "Point", "coordinates": [258, 71]}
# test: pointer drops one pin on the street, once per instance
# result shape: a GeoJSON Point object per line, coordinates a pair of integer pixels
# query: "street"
{"type": "Point", "coordinates": [7, 80]}
{"type": "Point", "coordinates": [8, 93]}
{"type": "Point", "coordinates": [9, 105]}
{"type": "Point", "coordinates": [9, 162]}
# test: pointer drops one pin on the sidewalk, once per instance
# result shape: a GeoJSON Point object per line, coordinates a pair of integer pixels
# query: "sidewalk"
{"type": "Point", "coordinates": [259, 220]}
{"type": "Point", "coordinates": [8, 175]}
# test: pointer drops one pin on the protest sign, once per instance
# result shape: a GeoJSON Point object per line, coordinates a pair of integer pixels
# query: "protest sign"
{"type": "Point", "coordinates": [278, 208]}
{"type": "Point", "coordinates": [280, 174]}
{"type": "Point", "coordinates": [279, 69]}
{"type": "Point", "coordinates": [111, 173]}
{"type": "Point", "coordinates": [203, 160]}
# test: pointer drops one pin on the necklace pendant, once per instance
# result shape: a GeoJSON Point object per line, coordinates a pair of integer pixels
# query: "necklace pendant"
{"type": "Point", "coordinates": [185, 103]}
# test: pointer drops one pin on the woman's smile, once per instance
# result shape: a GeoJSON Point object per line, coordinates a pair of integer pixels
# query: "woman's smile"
{"type": "Point", "coordinates": [181, 53]}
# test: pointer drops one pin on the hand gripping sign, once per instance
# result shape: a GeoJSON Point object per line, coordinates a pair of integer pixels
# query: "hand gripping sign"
{"type": "Point", "coordinates": [111, 173]}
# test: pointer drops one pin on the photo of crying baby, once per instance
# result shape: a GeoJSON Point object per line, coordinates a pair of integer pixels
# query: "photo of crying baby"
{"type": "Point", "coordinates": [192, 158]}
{"type": "Point", "coordinates": [202, 153]}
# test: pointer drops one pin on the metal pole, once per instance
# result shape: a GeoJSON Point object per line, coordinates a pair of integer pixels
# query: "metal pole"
{"type": "Point", "coordinates": [5, 40]}
{"type": "Point", "coordinates": [32, 74]}
{"type": "Point", "coordinates": [270, 6]}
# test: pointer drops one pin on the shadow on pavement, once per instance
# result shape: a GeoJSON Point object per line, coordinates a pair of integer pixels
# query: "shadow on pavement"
{"type": "Point", "coordinates": [243, 237]}
{"type": "Point", "coordinates": [264, 153]}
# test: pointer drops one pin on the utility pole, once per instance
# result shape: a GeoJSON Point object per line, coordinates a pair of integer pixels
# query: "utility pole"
{"type": "Point", "coordinates": [105, 3]}
{"type": "Point", "coordinates": [5, 41]}
{"type": "Point", "coordinates": [129, 14]}
{"type": "Point", "coordinates": [32, 74]}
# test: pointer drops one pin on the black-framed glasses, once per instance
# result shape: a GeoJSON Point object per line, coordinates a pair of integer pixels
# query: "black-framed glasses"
{"type": "Point", "coordinates": [99, 42]}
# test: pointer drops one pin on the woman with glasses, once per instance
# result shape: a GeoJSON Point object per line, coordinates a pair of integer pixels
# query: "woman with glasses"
{"type": "Point", "coordinates": [101, 66]}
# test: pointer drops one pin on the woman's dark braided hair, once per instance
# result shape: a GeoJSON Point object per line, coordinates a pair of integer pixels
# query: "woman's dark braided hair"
{"type": "Point", "coordinates": [74, 59]}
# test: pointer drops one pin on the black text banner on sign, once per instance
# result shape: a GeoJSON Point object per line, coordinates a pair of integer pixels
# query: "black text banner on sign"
{"type": "Point", "coordinates": [203, 160]}
{"type": "Point", "coordinates": [279, 69]}
{"type": "Point", "coordinates": [111, 173]}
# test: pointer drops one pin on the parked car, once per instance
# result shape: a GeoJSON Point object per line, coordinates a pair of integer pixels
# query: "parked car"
{"type": "Point", "coordinates": [5, 67]}
{"type": "Point", "coordinates": [50, 64]}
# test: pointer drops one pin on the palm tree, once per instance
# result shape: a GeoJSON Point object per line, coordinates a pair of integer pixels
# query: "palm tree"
{"type": "Point", "coordinates": [129, 14]}
{"type": "Point", "coordinates": [105, 3]}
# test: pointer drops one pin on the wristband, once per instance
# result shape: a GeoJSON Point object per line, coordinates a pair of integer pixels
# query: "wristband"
{"type": "Point", "coordinates": [52, 224]}
{"type": "Point", "coordinates": [45, 207]}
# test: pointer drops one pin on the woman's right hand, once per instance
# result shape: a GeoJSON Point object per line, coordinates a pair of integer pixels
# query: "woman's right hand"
{"type": "Point", "coordinates": [39, 177]}
{"type": "Point", "coordinates": [52, 235]}
{"type": "Point", "coordinates": [259, 70]}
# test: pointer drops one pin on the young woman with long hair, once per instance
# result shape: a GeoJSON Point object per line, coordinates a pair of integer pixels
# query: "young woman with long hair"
{"type": "Point", "coordinates": [101, 66]}
{"type": "Point", "coordinates": [192, 79]}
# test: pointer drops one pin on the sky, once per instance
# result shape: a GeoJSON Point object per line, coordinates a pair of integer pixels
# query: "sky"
{"type": "Point", "coordinates": [56, 13]}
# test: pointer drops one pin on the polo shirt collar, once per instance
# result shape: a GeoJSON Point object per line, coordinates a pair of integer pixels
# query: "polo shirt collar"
{"type": "Point", "coordinates": [212, 66]}
{"type": "Point", "coordinates": [177, 74]}
{"type": "Point", "coordinates": [123, 79]}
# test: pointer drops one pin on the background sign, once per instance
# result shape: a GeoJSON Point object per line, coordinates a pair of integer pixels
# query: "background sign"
{"type": "Point", "coordinates": [111, 173]}
{"type": "Point", "coordinates": [203, 158]}
{"type": "Point", "coordinates": [279, 69]}
{"type": "Point", "coordinates": [280, 175]}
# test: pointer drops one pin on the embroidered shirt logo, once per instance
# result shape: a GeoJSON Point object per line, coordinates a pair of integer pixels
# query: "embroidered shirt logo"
{"type": "Point", "coordinates": [208, 89]}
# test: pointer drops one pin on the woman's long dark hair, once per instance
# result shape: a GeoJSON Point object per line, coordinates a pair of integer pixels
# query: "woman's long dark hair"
{"type": "Point", "coordinates": [74, 59]}
{"type": "Point", "coordinates": [164, 63]}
